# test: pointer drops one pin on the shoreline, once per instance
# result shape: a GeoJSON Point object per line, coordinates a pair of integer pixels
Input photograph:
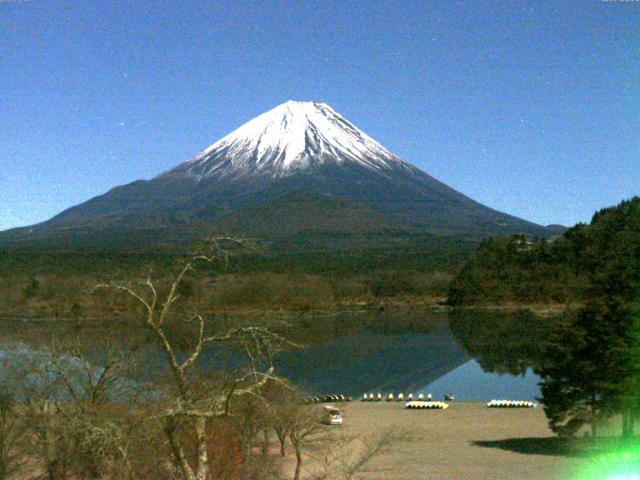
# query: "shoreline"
{"type": "Point", "coordinates": [542, 310]}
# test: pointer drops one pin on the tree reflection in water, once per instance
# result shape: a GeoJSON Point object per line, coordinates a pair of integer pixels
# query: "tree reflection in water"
{"type": "Point", "coordinates": [503, 342]}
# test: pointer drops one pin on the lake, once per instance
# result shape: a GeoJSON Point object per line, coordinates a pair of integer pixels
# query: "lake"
{"type": "Point", "coordinates": [435, 363]}
{"type": "Point", "coordinates": [471, 354]}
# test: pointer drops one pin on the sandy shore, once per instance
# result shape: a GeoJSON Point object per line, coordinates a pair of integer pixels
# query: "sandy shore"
{"type": "Point", "coordinates": [467, 441]}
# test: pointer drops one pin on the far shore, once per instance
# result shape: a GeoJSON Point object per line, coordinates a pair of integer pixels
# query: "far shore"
{"type": "Point", "coordinates": [390, 306]}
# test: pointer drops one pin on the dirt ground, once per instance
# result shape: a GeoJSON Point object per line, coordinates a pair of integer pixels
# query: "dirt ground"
{"type": "Point", "coordinates": [465, 442]}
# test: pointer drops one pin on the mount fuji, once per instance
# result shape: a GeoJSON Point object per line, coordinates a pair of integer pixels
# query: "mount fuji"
{"type": "Point", "coordinates": [298, 167]}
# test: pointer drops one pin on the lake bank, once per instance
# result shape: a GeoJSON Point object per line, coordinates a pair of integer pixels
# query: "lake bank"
{"type": "Point", "coordinates": [392, 306]}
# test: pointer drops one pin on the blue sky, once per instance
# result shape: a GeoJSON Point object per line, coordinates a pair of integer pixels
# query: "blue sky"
{"type": "Point", "coordinates": [531, 108]}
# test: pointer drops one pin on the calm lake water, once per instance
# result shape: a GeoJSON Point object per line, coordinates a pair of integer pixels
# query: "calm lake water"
{"type": "Point", "coordinates": [472, 355]}
{"type": "Point", "coordinates": [435, 363]}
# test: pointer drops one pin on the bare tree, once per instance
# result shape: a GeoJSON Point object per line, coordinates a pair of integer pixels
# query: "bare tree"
{"type": "Point", "coordinates": [49, 442]}
{"type": "Point", "coordinates": [305, 430]}
{"type": "Point", "coordinates": [349, 457]}
{"type": "Point", "coordinates": [195, 404]}
{"type": "Point", "coordinates": [250, 416]}
{"type": "Point", "coordinates": [283, 404]}
{"type": "Point", "coordinates": [28, 381]}
{"type": "Point", "coordinates": [74, 410]}
{"type": "Point", "coordinates": [83, 383]}
{"type": "Point", "coordinates": [12, 435]}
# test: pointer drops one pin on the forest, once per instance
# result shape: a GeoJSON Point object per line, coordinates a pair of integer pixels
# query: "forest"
{"type": "Point", "coordinates": [526, 270]}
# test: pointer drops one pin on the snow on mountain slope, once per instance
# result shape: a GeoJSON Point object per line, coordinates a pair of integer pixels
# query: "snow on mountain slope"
{"type": "Point", "coordinates": [290, 137]}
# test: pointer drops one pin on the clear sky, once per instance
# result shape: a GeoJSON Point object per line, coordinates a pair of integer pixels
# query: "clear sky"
{"type": "Point", "coordinates": [532, 108]}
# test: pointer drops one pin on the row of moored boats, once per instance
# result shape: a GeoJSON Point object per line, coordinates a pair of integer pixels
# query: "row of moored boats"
{"type": "Point", "coordinates": [510, 404]}
{"type": "Point", "coordinates": [422, 401]}
{"type": "Point", "coordinates": [327, 399]}
{"type": "Point", "coordinates": [372, 397]}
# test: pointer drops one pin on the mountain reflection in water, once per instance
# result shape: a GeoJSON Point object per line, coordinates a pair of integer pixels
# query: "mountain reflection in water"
{"type": "Point", "coordinates": [472, 354]}
{"type": "Point", "coordinates": [471, 382]}
{"type": "Point", "coordinates": [355, 364]}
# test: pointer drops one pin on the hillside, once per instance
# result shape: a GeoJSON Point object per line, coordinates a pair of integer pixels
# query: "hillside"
{"type": "Point", "coordinates": [523, 270]}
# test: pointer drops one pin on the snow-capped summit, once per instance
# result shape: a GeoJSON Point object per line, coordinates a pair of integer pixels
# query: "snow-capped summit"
{"type": "Point", "coordinates": [292, 136]}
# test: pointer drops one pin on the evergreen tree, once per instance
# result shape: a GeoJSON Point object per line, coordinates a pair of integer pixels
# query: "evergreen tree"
{"type": "Point", "coordinates": [580, 372]}
{"type": "Point", "coordinates": [629, 391]}
{"type": "Point", "coordinates": [592, 370]}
